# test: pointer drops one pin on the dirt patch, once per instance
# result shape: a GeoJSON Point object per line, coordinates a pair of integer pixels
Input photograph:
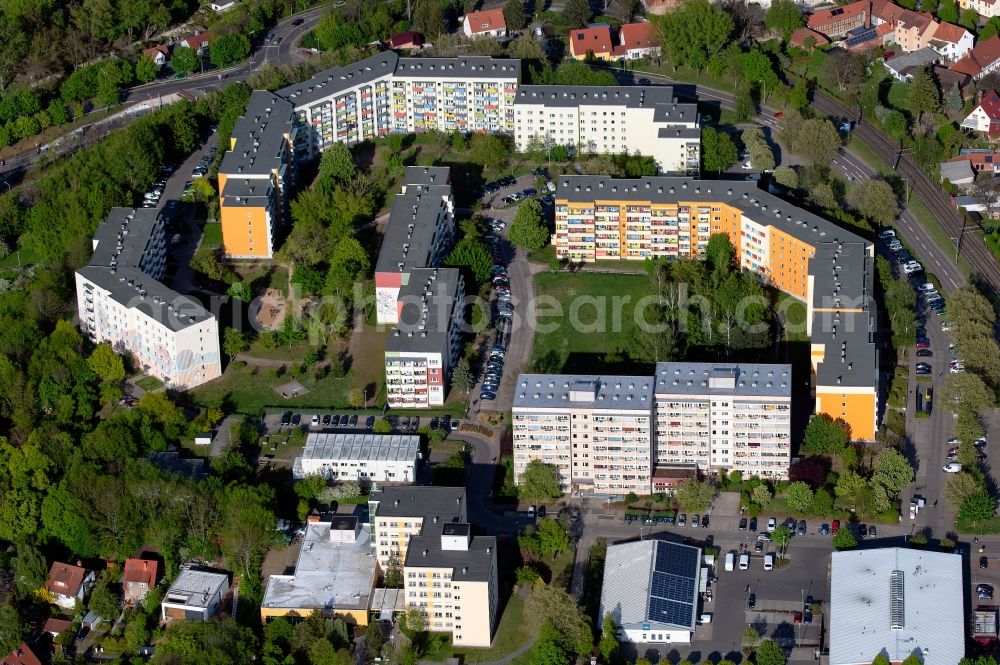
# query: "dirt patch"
{"type": "Point", "coordinates": [291, 389]}
{"type": "Point", "coordinates": [271, 309]}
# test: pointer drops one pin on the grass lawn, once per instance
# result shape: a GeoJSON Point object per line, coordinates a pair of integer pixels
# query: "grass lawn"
{"type": "Point", "coordinates": [249, 390]}
{"type": "Point", "coordinates": [897, 95]}
{"type": "Point", "coordinates": [793, 317]}
{"type": "Point", "coordinates": [19, 257]}
{"type": "Point", "coordinates": [546, 255]}
{"type": "Point", "coordinates": [212, 235]}
{"type": "Point", "coordinates": [991, 525]}
{"type": "Point", "coordinates": [148, 383]}
{"type": "Point", "coordinates": [512, 633]}
{"type": "Point", "coordinates": [368, 361]}
{"type": "Point", "coordinates": [292, 353]}
{"type": "Point", "coordinates": [603, 321]}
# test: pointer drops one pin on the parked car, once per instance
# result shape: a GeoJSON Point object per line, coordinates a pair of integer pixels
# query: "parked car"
{"type": "Point", "coordinates": [984, 591]}
{"type": "Point", "coordinates": [286, 419]}
{"type": "Point", "coordinates": [353, 421]}
{"type": "Point", "coordinates": [326, 419]}
{"type": "Point", "coordinates": [752, 601]}
{"type": "Point", "coordinates": [984, 562]}
{"type": "Point", "coordinates": [888, 233]}
{"type": "Point", "coordinates": [344, 419]}
{"type": "Point", "coordinates": [704, 522]}
{"type": "Point", "coordinates": [695, 521]}
{"type": "Point", "coordinates": [314, 422]}
{"type": "Point", "coordinates": [753, 525]}
{"type": "Point", "coordinates": [772, 524]}
{"type": "Point", "coordinates": [925, 353]}
{"type": "Point", "coordinates": [824, 529]}
{"type": "Point", "coordinates": [924, 369]}
{"type": "Point", "coordinates": [952, 467]}
{"type": "Point", "coordinates": [835, 527]}
{"type": "Point", "coordinates": [370, 422]}
{"type": "Point", "coordinates": [487, 397]}
{"type": "Point", "coordinates": [872, 532]}
{"type": "Point", "coordinates": [743, 524]}
{"type": "Point", "coordinates": [802, 528]}
{"type": "Point", "coordinates": [682, 520]}
{"type": "Point", "coordinates": [862, 531]}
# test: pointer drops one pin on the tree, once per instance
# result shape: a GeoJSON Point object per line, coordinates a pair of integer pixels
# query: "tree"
{"type": "Point", "coordinates": [184, 60]}
{"type": "Point", "coordinates": [947, 11]}
{"type": "Point", "coordinates": [514, 15]}
{"type": "Point", "coordinates": [414, 620]}
{"type": "Point", "coordinates": [146, 69]}
{"type": "Point", "coordinates": [959, 487]}
{"type": "Point", "coordinates": [393, 572]}
{"type": "Point", "coordinates": [799, 496]}
{"type": "Point", "coordinates": [428, 18]}
{"type": "Point", "coordinates": [694, 33]}
{"type": "Point", "coordinates": [462, 378]}
{"type": "Point", "coordinates": [969, 19]}
{"type": "Point", "coordinates": [825, 436]}
{"type": "Point", "coordinates": [228, 49]}
{"type": "Point", "coordinates": [719, 253]}
{"type": "Point", "coordinates": [817, 140]}
{"type": "Point", "coordinates": [30, 569]}
{"type": "Point", "coordinates": [489, 150]}
{"type": "Point", "coordinates": [844, 540]}
{"type": "Point", "coordinates": [107, 364]}
{"type": "Point", "coordinates": [11, 628]}
{"type": "Point", "coordinates": [744, 108]}
{"type": "Point", "coordinates": [609, 638]}
{"type": "Point", "coordinates": [528, 230]}
{"type": "Point", "coordinates": [718, 151]}
{"type": "Point", "coordinates": [234, 342]}
{"type": "Point", "coordinates": [382, 427]}
{"type": "Point", "coordinates": [552, 538]}
{"type": "Point", "coordinates": [787, 177]}
{"type": "Point", "coordinates": [896, 125]}
{"type": "Point", "coordinates": [221, 642]}
{"type": "Point", "coordinates": [337, 164]}
{"type": "Point", "coordinates": [977, 508]}
{"type": "Point", "coordinates": [970, 391]}
{"type": "Point", "coordinates": [374, 638]}
{"type": "Point", "coordinates": [349, 265]}
{"type": "Point", "coordinates": [760, 494]}
{"type": "Point", "coordinates": [555, 604]}
{"type": "Point", "coordinates": [104, 600]}
{"type": "Point", "coordinates": [769, 653]}
{"type": "Point", "coordinates": [892, 470]}
{"type": "Point", "coordinates": [923, 95]}
{"type": "Point", "coordinates": [471, 254]}
{"type": "Point", "coordinates": [695, 495]}
{"type": "Point", "coordinates": [781, 536]}
{"type": "Point", "coordinates": [875, 200]}
{"type": "Point", "coordinates": [539, 482]}
{"type": "Point", "coordinates": [576, 13]}
{"type": "Point", "coordinates": [798, 97]}
{"type": "Point", "coordinates": [784, 17]}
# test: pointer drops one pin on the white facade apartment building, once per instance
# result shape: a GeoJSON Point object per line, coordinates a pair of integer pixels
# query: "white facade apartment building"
{"type": "Point", "coordinates": [121, 301]}
{"type": "Point", "coordinates": [724, 417]}
{"type": "Point", "coordinates": [637, 120]}
{"type": "Point", "coordinates": [595, 430]}
{"type": "Point", "coordinates": [363, 457]}
{"type": "Point", "coordinates": [387, 94]}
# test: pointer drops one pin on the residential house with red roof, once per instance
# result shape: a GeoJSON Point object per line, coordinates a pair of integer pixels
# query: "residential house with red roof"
{"type": "Point", "coordinates": [486, 23]}
{"type": "Point", "coordinates": [985, 118]}
{"type": "Point", "coordinates": [838, 21]}
{"type": "Point", "coordinates": [807, 38]}
{"type": "Point", "coordinates": [22, 655]}
{"type": "Point", "coordinates": [198, 41]}
{"type": "Point", "coordinates": [983, 59]}
{"type": "Point", "coordinates": [639, 40]}
{"type": "Point", "coordinates": [160, 54]}
{"type": "Point", "coordinates": [594, 40]}
{"type": "Point", "coordinates": [138, 578]}
{"type": "Point", "coordinates": [54, 625]}
{"type": "Point", "coordinates": [406, 40]}
{"type": "Point", "coordinates": [952, 41]}
{"type": "Point", "coordinates": [67, 584]}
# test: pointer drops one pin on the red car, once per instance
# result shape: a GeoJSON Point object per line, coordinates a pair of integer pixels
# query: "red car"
{"type": "Point", "coordinates": [835, 527]}
{"type": "Point", "coordinates": [923, 344]}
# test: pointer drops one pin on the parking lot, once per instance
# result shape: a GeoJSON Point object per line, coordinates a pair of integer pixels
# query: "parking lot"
{"type": "Point", "coordinates": [345, 421]}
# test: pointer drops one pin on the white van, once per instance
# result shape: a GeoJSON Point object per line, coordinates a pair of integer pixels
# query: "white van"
{"type": "Point", "coordinates": [744, 561]}
{"type": "Point", "coordinates": [769, 561]}
{"type": "Point", "coordinates": [730, 561]}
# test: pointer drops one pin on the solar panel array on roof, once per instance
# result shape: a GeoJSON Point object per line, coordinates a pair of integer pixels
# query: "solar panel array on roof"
{"type": "Point", "coordinates": [672, 592]}
{"type": "Point", "coordinates": [863, 37]}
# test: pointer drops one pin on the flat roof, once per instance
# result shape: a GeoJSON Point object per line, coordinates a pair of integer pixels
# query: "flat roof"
{"type": "Point", "coordinates": [260, 136]}
{"type": "Point", "coordinates": [471, 565]}
{"type": "Point", "coordinates": [464, 67]}
{"type": "Point", "coordinates": [330, 575]}
{"type": "Point", "coordinates": [651, 582]}
{"type": "Point", "coordinates": [337, 446]}
{"type": "Point", "coordinates": [445, 503]}
{"type": "Point", "coordinates": [197, 585]}
{"type": "Point", "coordinates": [899, 600]}
{"type": "Point", "coordinates": [576, 391]}
{"type": "Point", "coordinates": [428, 301]}
{"type": "Point", "coordinates": [740, 379]}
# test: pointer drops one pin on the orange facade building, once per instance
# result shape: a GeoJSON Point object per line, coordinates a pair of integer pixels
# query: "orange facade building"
{"type": "Point", "coordinates": [255, 174]}
{"type": "Point", "coordinates": [828, 268]}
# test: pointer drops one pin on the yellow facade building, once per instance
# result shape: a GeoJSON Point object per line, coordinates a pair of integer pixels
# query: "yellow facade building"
{"type": "Point", "coordinates": [827, 267]}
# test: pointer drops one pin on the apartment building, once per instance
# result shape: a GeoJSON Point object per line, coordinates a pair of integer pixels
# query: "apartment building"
{"type": "Point", "coordinates": [121, 301]}
{"type": "Point", "coordinates": [256, 176]}
{"type": "Point", "coordinates": [638, 120]}
{"type": "Point", "coordinates": [387, 94]}
{"type": "Point", "coordinates": [424, 302]}
{"type": "Point", "coordinates": [808, 257]}
{"type": "Point", "coordinates": [448, 573]}
{"type": "Point", "coordinates": [596, 430]}
{"type": "Point", "coordinates": [724, 417]}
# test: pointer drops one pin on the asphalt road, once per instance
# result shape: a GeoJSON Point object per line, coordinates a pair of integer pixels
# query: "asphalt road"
{"type": "Point", "coordinates": [17, 166]}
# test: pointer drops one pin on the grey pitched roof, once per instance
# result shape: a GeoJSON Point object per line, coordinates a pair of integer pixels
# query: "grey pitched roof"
{"type": "Point", "coordinates": [472, 565]}
{"type": "Point", "coordinates": [412, 228]}
{"type": "Point", "coordinates": [249, 192]}
{"type": "Point", "coordinates": [420, 330]}
{"type": "Point", "coordinates": [330, 81]}
{"type": "Point", "coordinates": [555, 391]}
{"type": "Point", "coordinates": [462, 68]}
{"type": "Point", "coordinates": [445, 503]}
{"type": "Point", "coordinates": [659, 96]}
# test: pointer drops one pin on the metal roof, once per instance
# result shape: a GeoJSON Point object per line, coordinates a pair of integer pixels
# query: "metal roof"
{"type": "Point", "coordinates": [667, 573]}
{"type": "Point", "coordinates": [899, 600]}
{"type": "Point", "coordinates": [361, 446]}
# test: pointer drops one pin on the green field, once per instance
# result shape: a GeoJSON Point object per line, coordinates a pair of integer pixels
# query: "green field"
{"type": "Point", "coordinates": [602, 305]}
{"type": "Point", "coordinates": [212, 235]}
{"type": "Point", "coordinates": [243, 390]}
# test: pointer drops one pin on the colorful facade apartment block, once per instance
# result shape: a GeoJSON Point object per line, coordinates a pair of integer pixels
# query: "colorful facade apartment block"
{"type": "Point", "coordinates": [828, 268]}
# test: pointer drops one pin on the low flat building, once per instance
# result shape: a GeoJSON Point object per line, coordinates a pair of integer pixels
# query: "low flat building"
{"type": "Point", "coordinates": [335, 573]}
{"type": "Point", "coordinates": [366, 458]}
{"type": "Point", "coordinates": [958, 171]}
{"type": "Point", "coordinates": [195, 595]}
{"type": "Point", "coordinates": [651, 589]}
{"type": "Point", "coordinates": [121, 301]}
{"type": "Point", "coordinates": [896, 601]}
{"type": "Point", "coordinates": [67, 584]}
